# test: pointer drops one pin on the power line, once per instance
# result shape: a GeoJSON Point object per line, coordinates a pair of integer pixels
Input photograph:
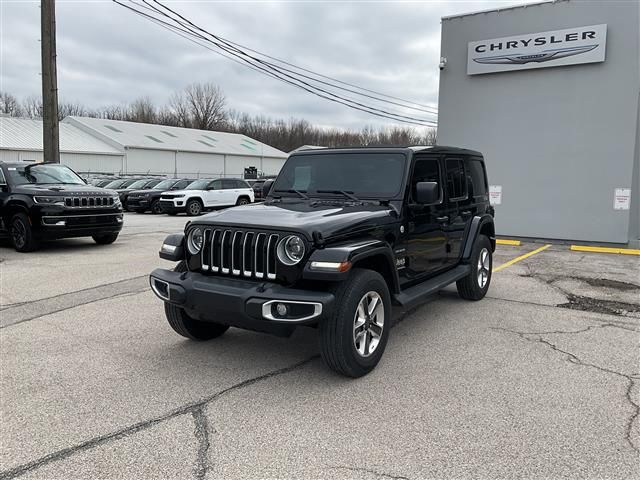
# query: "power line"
{"type": "Point", "coordinates": [237, 47]}
{"type": "Point", "coordinates": [256, 64]}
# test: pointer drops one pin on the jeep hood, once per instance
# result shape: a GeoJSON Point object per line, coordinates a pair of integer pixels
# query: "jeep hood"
{"type": "Point", "coordinates": [329, 218]}
{"type": "Point", "coordinates": [61, 189]}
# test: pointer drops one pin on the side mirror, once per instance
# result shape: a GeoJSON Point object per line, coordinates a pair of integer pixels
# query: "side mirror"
{"type": "Point", "coordinates": [266, 188]}
{"type": "Point", "coordinates": [427, 193]}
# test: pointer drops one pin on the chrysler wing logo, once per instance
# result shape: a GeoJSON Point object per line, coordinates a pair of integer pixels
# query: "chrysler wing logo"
{"type": "Point", "coordinates": [539, 57]}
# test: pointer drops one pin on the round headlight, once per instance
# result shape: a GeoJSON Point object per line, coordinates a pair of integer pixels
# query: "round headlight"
{"type": "Point", "coordinates": [194, 242]}
{"type": "Point", "coordinates": [291, 250]}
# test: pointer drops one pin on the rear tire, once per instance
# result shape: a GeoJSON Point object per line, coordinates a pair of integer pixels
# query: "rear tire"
{"type": "Point", "coordinates": [107, 239]}
{"type": "Point", "coordinates": [188, 327]}
{"type": "Point", "coordinates": [475, 285]}
{"type": "Point", "coordinates": [353, 338]}
{"type": "Point", "coordinates": [243, 201]}
{"type": "Point", "coordinates": [194, 208]}
{"type": "Point", "coordinates": [21, 234]}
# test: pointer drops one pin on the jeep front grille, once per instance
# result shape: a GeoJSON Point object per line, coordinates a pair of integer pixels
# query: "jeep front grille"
{"type": "Point", "coordinates": [239, 253]}
{"type": "Point", "coordinates": [88, 201]}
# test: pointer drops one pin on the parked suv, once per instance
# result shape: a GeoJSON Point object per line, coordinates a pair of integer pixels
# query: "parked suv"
{"type": "Point", "coordinates": [206, 194]}
{"type": "Point", "coordinates": [343, 235]}
{"type": "Point", "coordinates": [41, 201]}
{"type": "Point", "coordinates": [142, 200]}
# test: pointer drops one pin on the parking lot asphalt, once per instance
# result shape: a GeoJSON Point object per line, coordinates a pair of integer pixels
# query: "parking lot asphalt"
{"type": "Point", "coordinates": [541, 379]}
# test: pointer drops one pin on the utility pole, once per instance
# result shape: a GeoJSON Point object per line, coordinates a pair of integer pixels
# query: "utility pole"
{"type": "Point", "coordinates": [49, 81]}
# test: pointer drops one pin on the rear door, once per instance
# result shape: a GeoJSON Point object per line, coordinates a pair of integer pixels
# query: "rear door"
{"type": "Point", "coordinates": [230, 189]}
{"type": "Point", "coordinates": [458, 211]}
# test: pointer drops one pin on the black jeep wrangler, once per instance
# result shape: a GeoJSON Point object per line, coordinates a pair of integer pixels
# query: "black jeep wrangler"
{"type": "Point", "coordinates": [343, 235]}
{"type": "Point", "coordinates": [46, 201]}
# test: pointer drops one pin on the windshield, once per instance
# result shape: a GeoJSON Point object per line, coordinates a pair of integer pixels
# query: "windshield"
{"type": "Point", "coordinates": [365, 175]}
{"type": "Point", "coordinates": [164, 185]}
{"type": "Point", "coordinates": [198, 185]}
{"type": "Point", "coordinates": [138, 184]}
{"type": "Point", "coordinates": [43, 174]}
{"type": "Point", "coordinates": [114, 184]}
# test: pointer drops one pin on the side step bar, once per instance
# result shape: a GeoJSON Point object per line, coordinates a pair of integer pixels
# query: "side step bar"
{"type": "Point", "coordinates": [415, 295]}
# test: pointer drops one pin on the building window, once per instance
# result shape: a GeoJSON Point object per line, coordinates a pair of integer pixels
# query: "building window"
{"type": "Point", "coordinates": [207, 144]}
{"type": "Point", "coordinates": [154, 139]}
{"type": "Point", "coordinates": [113, 128]}
{"type": "Point", "coordinates": [169, 134]}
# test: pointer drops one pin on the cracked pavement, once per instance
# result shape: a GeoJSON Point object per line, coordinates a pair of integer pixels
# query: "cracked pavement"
{"type": "Point", "coordinates": [539, 380]}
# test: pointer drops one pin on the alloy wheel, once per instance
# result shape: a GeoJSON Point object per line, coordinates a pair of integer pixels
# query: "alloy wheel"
{"type": "Point", "coordinates": [368, 324]}
{"type": "Point", "coordinates": [484, 264]}
{"type": "Point", "coordinates": [18, 233]}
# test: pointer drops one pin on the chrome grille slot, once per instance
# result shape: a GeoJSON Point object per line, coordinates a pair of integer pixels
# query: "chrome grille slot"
{"type": "Point", "coordinates": [271, 256]}
{"type": "Point", "coordinates": [259, 255]}
{"type": "Point", "coordinates": [247, 258]}
{"type": "Point", "coordinates": [225, 261]}
{"type": "Point", "coordinates": [239, 253]}
{"type": "Point", "coordinates": [88, 202]}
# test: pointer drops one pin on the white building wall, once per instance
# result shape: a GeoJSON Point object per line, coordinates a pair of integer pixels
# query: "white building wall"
{"type": "Point", "coordinates": [200, 165]}
{"type": "Point", "coordinates": [21, 155]}
{"type": "Point", "coordinates": [93, 163]}
{"type": "Point", "coordinates": [272, 166]}
{"type": "Point", "coordinates": [139, 161]}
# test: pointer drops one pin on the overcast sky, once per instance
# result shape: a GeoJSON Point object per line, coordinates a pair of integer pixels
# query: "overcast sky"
{"type": "Point", "coordinates": [108, 55]}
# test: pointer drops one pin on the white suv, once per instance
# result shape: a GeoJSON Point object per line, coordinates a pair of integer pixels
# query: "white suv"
{"type": "Point", "coordinates": [206, 194]}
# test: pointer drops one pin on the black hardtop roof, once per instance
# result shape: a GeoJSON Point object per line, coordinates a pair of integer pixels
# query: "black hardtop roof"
{"type": "Point", "coordinates": [393, 148]}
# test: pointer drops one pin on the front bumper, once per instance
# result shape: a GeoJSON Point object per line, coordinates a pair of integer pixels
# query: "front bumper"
{"type": "Point", "coordinates": [58, 226]}
{"type": "Point", "coordinates": [240, 303]}
{"type": "Point", "coordinates": [138, 202]}
{"type": "Point", "coordinates": [169, 206]}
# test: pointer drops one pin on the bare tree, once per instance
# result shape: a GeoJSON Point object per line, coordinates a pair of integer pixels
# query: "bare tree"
{"type": "Point", "coordinates": [142, 111]}
{"type": "Point", "coordinates": [32, 107]}
{"type": "Point", "coordinates": [69, 109]}
{"type": "Point", "coordinates": [180, 108]}
{"type": "Point", "coordinates": [9, 105]}
{"type": "Point", "coordinates": [207, 106]}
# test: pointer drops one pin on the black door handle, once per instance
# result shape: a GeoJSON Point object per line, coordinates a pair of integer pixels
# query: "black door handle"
{"type": "Point", "coordinates": [442, 219]}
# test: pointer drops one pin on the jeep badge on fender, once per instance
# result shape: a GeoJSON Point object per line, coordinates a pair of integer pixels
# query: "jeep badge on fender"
{"type": "Point", "coordinates": [321, 250]}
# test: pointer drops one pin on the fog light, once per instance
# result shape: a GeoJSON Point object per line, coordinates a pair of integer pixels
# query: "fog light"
{"type": "Point", "coordinates": [282, 309]}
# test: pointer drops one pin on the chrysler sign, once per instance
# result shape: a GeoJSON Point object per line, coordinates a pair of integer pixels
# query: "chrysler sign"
{"type": "Point", "coordinates": [538, 50]}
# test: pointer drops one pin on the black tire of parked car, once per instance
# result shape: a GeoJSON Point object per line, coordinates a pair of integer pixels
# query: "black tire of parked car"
{"type": "Point", "coordinates": [475, 285]}
{"type": "Point", "coordinates": [337, 332]}
{"type": "Point", "coordinates": [194, 207]}
{"type": "Point", "coordinates": [156, 208]}
{"type": "Point", "coordinates": [243, 201]}
{"type": "Point", "coordinates": [184, 325]}
{"type": "Point", "coordinates": [106, 239]}
{"type": "Point", "coordinates": [21, 234]}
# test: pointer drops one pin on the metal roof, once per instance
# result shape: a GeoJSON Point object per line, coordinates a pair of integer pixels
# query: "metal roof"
{"type": "Point", "coordinates": [159, 137]}
{"type": "Point", "coordinates": [26, 134]}
{"type": "Point", "coordinates": [501, 9]}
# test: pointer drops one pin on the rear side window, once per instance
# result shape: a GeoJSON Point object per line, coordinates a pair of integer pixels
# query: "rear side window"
{"type": "Point", "coordinates": [229, 184]}
{"type": "Point", "coordinates": [477, 178]}
{"type": "Point", "coordinates": [242, 184]}
{"type": "Point", "coordinates": [456, 179]}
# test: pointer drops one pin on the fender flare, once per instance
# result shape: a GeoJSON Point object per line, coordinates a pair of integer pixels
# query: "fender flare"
{"type": "Point", "coordinates": [353, 252]}
{"type": "Point", "coordinates": [472, 234]}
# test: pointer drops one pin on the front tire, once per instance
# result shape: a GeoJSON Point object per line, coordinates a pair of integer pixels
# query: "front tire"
{"type": "Point", "coordinates": [156, 208]}
{"type": "Point", "coordinates": [194, 208]}
{"type": "Point", "coordinates": [106, 239]}
{"type": "Point", "coordinates": [353, 338]}
{"type": "Point", "coordinates": [21, 234]}
{"type": "Point", "coordinates": [188, 327]}
{"type": "Point", "coordinates": [475, 285]}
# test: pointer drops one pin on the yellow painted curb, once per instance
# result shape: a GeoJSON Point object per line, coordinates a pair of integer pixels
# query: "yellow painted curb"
{"type": "Point", "coordinates": [515, 243]}
{"type": "Point", "coordinates": [521, 257]}
{"type": "Point", "coordinates": [620, 251]}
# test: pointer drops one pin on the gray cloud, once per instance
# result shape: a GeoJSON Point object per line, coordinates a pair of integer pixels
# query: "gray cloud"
{"type": "Point", "coordinates": [107, 55]}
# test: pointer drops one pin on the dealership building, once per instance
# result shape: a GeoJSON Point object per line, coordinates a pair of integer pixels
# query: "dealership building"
{"type": "Point", "coordinates": [550, 93]}
{"type": "Point", "coordinates": [99, 146]}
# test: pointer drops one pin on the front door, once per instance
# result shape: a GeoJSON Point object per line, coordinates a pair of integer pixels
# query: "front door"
{"type": "Point", "coordinates": [425, 228]}
{"type": "Point", "coordinates": [213, 194]}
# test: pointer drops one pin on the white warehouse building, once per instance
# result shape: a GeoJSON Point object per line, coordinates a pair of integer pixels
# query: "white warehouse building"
{"type": "Point", "coordinates": [99, 146]}
{"type": "Point", "coordinates": [21, 140]}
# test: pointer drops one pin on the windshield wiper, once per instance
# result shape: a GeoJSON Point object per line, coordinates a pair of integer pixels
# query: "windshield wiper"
{"type": "Point", "coordinates": [293, 190]}
{"type": "Point", "coordinates": [346, 193]}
